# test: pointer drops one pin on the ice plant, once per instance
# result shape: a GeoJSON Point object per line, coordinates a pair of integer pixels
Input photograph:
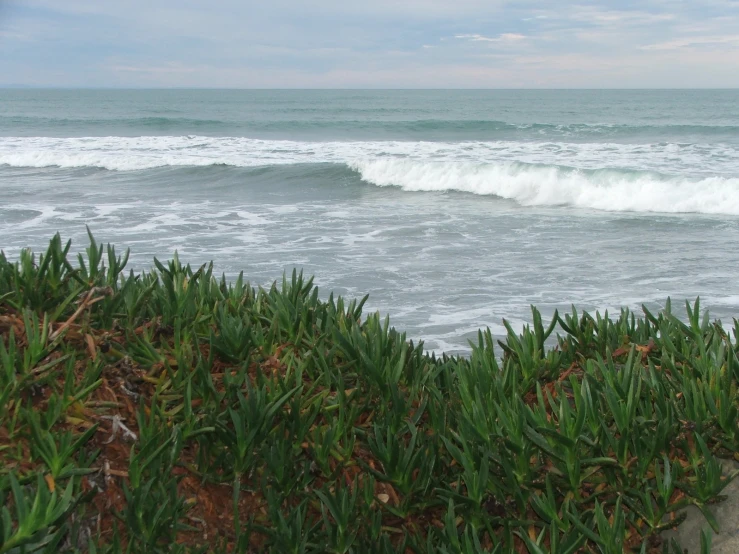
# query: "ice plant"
{"type": "Point", "coordinates": [174, 411]}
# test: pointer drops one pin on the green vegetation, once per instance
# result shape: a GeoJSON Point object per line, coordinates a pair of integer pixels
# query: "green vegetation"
{"type": "Point", "coordinates": [172, 411]}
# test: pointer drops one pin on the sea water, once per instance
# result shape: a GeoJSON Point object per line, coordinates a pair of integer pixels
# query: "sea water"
{"type": "Point", "coordinates": [454, 210]}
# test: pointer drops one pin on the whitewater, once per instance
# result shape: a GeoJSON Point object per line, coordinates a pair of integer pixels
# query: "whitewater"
{"type": "Point", "coordinates": [605, 176]}
{"type": "Point", "coordinates": [452, 209]}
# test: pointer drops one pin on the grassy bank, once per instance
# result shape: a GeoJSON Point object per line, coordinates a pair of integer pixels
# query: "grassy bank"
{"type": "Point", "coordinates": [174, 412]}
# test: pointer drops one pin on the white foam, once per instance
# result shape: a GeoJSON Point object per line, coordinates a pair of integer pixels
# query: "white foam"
{"type": "Point", "coordinates": [45, 213]}
{"type": "Point", "coordinates": [283, 209]}
{"type": "Point", "coordinates": [552, 186]}
{"type": "Point", "coordinates": [252, 218]}
{"type": "Point", "coordinates": [673, 178]}
{"type": "Point", "coordinates": [147, 152]}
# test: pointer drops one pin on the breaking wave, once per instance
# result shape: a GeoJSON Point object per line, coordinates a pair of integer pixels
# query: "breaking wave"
{"type": "Point", "coordinates": [654, 177]}
{"type": "Point", "coordinates": [602, 189]}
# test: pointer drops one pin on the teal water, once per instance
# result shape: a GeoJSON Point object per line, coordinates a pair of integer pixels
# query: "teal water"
{"type": "Point", "coordinates": [453, 209]}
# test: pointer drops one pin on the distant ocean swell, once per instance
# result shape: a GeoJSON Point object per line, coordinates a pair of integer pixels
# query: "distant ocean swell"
{"type": "Point", "coordinates": [386, 124]}
{"type": "Point", "coordinates": [661, 177]}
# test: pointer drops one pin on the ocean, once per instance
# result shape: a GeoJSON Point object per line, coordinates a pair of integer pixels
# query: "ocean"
{"type": "Point", "coordinates": [454, 210]}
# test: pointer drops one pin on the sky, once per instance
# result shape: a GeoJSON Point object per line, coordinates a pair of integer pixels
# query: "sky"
{"type": "Point", "coordinates": [370, 43]}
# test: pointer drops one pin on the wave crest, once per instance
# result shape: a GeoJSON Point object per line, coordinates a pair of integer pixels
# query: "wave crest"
{"type": "Point", "coordinates": [529, 185]}
{"type": "Point", "coordinates": [655, 177]}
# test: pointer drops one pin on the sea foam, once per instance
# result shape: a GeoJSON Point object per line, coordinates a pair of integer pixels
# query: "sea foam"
{"type": "Point", "coordinates": [528, 185]}
{"type": "Point", "coordinates": [659, 177]}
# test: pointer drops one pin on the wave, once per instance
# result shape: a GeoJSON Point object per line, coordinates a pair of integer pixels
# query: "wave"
{"type": "Point", "coordinates": [144, 122]}
{"type": "Point", "coordinates": [146, 152]}
{"type": "Point", "coordinates": [658, 177]}
{"type": "Point", "coordinates": [604, 189]}
{"type": "Point", "coordinates": [574, 130]}
{"type": "Point", "coordinates": [369, 122]}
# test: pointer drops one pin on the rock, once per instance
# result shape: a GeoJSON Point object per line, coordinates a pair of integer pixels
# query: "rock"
{"type": "Point", "coordinates": [726, 541]}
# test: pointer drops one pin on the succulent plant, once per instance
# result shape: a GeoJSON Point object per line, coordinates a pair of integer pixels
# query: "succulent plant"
{"type": "Point", "coordinates": [174, 411]}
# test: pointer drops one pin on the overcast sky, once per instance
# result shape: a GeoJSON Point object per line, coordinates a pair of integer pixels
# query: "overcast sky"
{"type": "Point", "coordinates": [369, 43]}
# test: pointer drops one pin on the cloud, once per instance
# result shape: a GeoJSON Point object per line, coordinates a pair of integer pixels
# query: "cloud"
{"type": "Point", "coordinates": [173, 68]}
{"type": "Point", "coordinates": [505, 37]}
{"type": "Point", "coordinates": [384, 43]}
{"type": "Point", "coordinates": [692, 42]}
{"type": "Point", "coordinates": [599, 16]}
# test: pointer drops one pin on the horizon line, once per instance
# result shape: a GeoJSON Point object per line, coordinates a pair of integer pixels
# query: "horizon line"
{"type": "Point", "coordinates": [75, 87]}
